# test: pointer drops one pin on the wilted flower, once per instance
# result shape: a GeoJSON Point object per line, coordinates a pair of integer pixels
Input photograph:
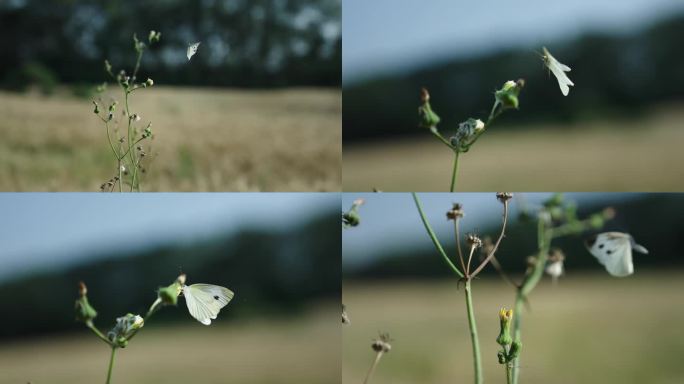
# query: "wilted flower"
{"type": "Point", "coordinates": [125, 327]}
{"type": "Point", "coordinates": [467, 131]}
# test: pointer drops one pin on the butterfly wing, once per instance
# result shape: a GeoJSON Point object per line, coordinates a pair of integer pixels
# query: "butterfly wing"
{"type": "Point", "coordinates": [192, 49]}
{"type": "Point", "coordinates": [614, 251]}
{"type": "Point", "coordinates": [558, 69]}
{"type": "Point", "coordinates": [205, 301]}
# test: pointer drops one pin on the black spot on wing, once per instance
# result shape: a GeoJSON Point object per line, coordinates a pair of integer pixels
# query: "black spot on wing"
{"type": "Point", "coordinates": [216, 297]}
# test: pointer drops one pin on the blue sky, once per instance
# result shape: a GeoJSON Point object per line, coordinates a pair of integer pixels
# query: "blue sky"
{"type": "Point", "coordinates": [383, 36]}
{"type": "Point", "coordinates": [45, 230]}
{"type": "Point", "coordinates": [390, 221]}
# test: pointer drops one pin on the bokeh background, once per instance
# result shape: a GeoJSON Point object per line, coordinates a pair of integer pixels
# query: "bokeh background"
{"type": "Point", "coordinates": [589, 327]}
{"type": "Point", "coordinates": [279, 253]}
{"type": "Point", "coordinates": [258, 108]}
{"type": "Point", "coordinates": [618, 130]}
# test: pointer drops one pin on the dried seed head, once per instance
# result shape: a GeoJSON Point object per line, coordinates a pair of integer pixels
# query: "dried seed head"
{"type": "Point", "coordinates": [473, 240]}
{"type": "Point", "coordinates": [382, 343]}
{"type": "Point", "coordinates": [504, 196]}
{"type": "Point", "coordinates": [456, 212]}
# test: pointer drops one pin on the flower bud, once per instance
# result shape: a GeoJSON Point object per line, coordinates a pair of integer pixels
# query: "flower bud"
{"type": "Point", "coordinates": [169, 295]}
{"type": "Point", "coordinates": [97, 108]}
{"type": "Point", "coordinates": [514, 352]}
{"type": "Point", "coordinates": [505, 317]}
{"type": "Point", "coordinates": [149, 82]}
{"type": "Point", "coordinates": [507, 96]}
{"type": "Point", "coordinates": [427, 118]}
{"type": "Point", "coordinates": [502, 357]}
{"type": "Point", "coordinates": [84, 311]}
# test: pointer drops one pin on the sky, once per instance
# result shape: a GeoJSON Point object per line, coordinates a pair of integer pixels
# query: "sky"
{"type": "Point", "coordinates": [390, 221]}
{"type": "Point", "coordinates": [385, 36]}
{"type": "Point", "coordinates": [44, 230]}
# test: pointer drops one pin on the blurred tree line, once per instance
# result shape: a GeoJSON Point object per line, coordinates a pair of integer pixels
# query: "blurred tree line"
{"type": "Point", "coordinates": [271, 273]}
{"type": "Point", "coordinates": [654, 220]}
{"type": "Point", "coordinates": [245, 43]}
{"type": "Point", "coordinates": [613, 75]}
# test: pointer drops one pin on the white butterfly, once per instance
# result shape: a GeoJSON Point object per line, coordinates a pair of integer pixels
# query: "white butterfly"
{"type": "Point", "coordinates": [192, 49]}
{"type": "Point", "coordinates": [558, 69]}
{"type": "Point", "coordinates": [205, 300]}
{"type": "Point", "coordinates": [614, 251]}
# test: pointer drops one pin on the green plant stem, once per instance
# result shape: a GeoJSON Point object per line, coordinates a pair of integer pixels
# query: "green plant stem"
{"type": "Point", "coordinates": [111, 365]}
{"type": "Point", "coordinates": [97, 332]}
{"type": "Point", "coordinates": [477, 360]}
{"type": "Point", "coordinates": [372, 368]}
{"type": "Point", "coordinates": [454, 173]}
{"type": "Point", "coordinates": [432, 235]}
{"type": "Point", "coordinates": [544, 237]}
{"type": "Point", "coordinates": [509, 373]}
{"type": "Point", "coordinates": [441, 138]}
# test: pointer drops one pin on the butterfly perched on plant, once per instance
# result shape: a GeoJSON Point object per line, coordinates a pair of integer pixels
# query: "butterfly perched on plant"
{"type": "Point", "coordinates": [192, 49]}
{"type": "Point", "coordinates": [205, 301]}
{"type": "Point", "coordinates": [614, 251]}
{"type": "Point", "coordinates": [558, 69]}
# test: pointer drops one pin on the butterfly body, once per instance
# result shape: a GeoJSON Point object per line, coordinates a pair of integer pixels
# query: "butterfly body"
{"type": "Point", "coordinates": [205, 301]}
{"type": "Point", "coordinates": [558, 69]}
{"type": "Point", "coordinates": [614, 251]}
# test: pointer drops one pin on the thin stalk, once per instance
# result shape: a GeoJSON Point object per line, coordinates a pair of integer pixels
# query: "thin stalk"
{"type": "Point", "coordinates": [130, 151]}
{"type": "Point", "coordinates": [457, 235]}
{"type": "Point", "coordinates": [498, 241]}
{"type": "Point", "coordinates": [111, 365]}
{"type": "Point", "coordinates": [97, 332]}
{"type": "Point", "coordinates": [477, 360]}
{"type": "Point", "coordinates": [454, 172]}
{"type": "Point", "coordinates": [509, 373]}
{"type": "Point", "coordinates": [441, 138]}
{"type": "Point", "coordinates": [432, 235]}
{"type": "Point", "coordinates": [372, 368]}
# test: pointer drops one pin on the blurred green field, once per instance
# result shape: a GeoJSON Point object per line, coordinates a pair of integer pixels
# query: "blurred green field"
{"type": "Point", "coordinates": [205, 140]}
{"type": "Point", "coordinates": [620, 156]}
{"type": "Point", "coordinates": [299, 350]}
{"type": "Point", "coordinates": [587, 329]}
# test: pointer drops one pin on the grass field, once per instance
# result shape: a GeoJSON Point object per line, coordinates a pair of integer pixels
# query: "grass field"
{"type": "Point", "coordinates": [591, 329]}
{"type": "Point", "coordinates": [302, 350]}
{"type": "Point", "coordinates": [205, 140]}
{"type": "Point", "coordinates": [635, 155]}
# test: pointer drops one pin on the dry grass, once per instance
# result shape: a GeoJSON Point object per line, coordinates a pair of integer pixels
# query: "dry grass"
{"type": "Point", "coordinates": [206, 140]}
{"type": "Point", "coordinates": [588, 329]}
{"type": "Point", "coordinates": [302, 350]}
{"type": "Point", "coordinates": [598, 156]}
